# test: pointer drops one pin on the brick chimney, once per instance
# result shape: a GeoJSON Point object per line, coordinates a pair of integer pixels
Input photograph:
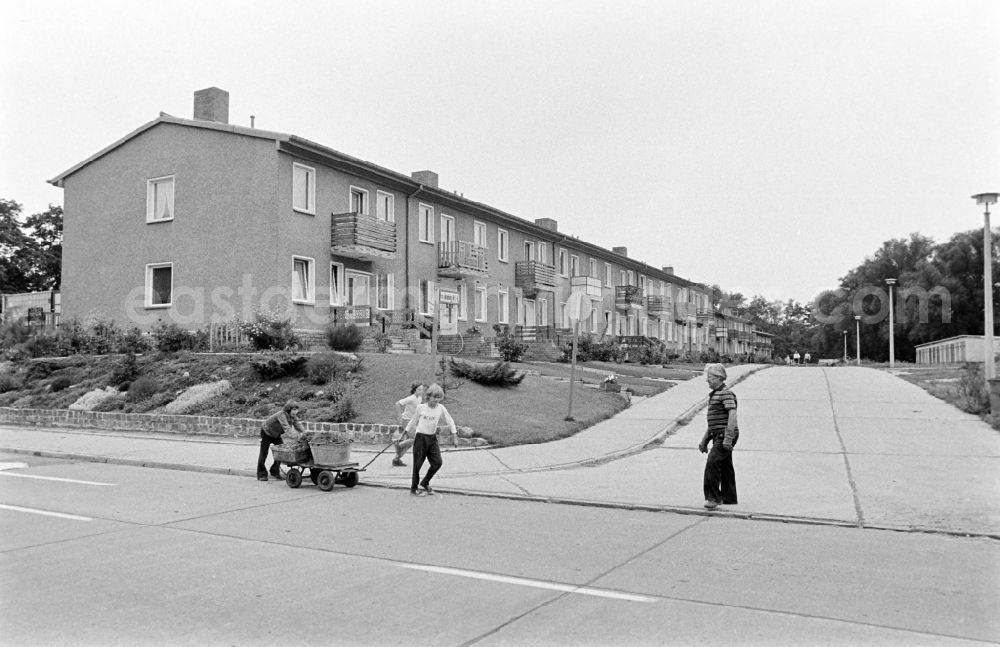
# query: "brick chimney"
{"type": "Point", "coordinates": [212, 104]}
{"type": "Point", "coordinates": [668, 269]}
{"type": "Point", "coordinates": [621, 251]}
{"type": "Point", "coordinates": [548, 223]}
{"type": "Point", "coordinates": [429, 178]}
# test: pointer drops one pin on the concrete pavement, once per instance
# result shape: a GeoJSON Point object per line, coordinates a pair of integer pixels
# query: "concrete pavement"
{"type": "Point", "coordinates": [835, 446]}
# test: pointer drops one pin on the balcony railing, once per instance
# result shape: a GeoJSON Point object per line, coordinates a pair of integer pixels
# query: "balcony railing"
{"type": "Point", "coordinates": [628, 297]}
{"type": "Point", "coordinates": [705, 316]}
{"type": "Point", "coordinates": [659, 306]}
{"type": "Point", "coordinates": [357, 315]}
{"type": "Point", "coordinates": [534, 277]}
{"type": "Point", "coordinates": [359, 236]}
{"type": "Point", "coordinates": [458, 258]}
{"type": "Point", "coordinates": [720, 332]}
{"type": "Point", "coordinates": [684, 311]}
{"type": "Point", "coordinates": [588, 285]}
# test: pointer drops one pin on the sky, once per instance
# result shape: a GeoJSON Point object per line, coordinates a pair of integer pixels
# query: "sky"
{"type": "Point", "coordinates": [766, 146]}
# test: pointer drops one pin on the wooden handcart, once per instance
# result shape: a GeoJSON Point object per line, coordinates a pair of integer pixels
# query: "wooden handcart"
{"type": "Point", "coordinates": [327, 464]}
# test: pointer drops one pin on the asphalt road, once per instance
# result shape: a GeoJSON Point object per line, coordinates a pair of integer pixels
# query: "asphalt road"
{"type": "Point", "coordinates": [101, 554]}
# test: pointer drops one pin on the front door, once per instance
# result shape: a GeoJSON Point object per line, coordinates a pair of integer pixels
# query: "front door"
{"type": "Point", "coordinates": [529, 313]}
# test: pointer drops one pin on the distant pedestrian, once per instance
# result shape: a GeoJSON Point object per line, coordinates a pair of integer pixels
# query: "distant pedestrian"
{"type": "Point", "coordinates": [425, 444]}
{"type": "Point", "coordinates": [405, 408]}
{"type": "Point", "coordinates": [796, 357]}
{"type": "Point", "coordinates": [271, 431]}
{"type": "Point", "coordinates": [720, 477]}
{"type": "Point", "coordinates": [808, 358]}
{"type": "Point", "coordinates": [788, 360]}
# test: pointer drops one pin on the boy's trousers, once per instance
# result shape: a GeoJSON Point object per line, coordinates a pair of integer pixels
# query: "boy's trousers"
{"type": "Point", "coordinates": [425, 446]}
{"type": "Point", "coordinates": [720, 477]}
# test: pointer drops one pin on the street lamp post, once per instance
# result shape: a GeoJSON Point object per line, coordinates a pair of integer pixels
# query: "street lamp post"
{"type": "Point", "coordinates": [989, 369]}
{"type": "Point", "coordinates": [892, 345]}
{"type": "Point", "coordinates": [845, 346]}
{"type": "Point", "coordinates": [857, 335]}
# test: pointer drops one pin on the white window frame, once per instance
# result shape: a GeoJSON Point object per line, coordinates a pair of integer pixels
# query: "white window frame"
{"type": "Point", "coordinates": [310, 175]}
{"type": "Point", "coordinates": [425, 223]}
{"type": "Point", "coordinates": [480, 307]}
{"type": "Point", "coordinates": [463, 302]}
{"type": "Point", "coordinates": [529, 250]}
{"type": "Point", "coordinates": [310, 284]}
{"type": "Point", "coordinates": [390, 286]}
{"type": "Point", "coordinates": [631, 278]}
{"type": "Point", "coordinates": [518, 312]}
{"type": "Point", "coordinates": [336, 284]}
{"type": "Point", "coordinates": [542, 312]}
{"type": "Point", "coordinates": [151, 195]}
{"type": "Point", "coordinates": [543, 253]}
{"type": "Point", "coordinates": [150, 267]}
{"type": "Point", "coordinates": [425, 296]}
{"type": "Point", "coordinates": [593, 268]}
{"type": "Point", "coordinates": [622, 277]}
{"type": "Point", "coordinates": [479, 234]}
{"type": "Point", "coordinates": [503, 305]}
{"type": "Point", "coordinates": [642, 284]}
{"type": "Point", "coordinates": [363, 195]}
{"type": "Point", "coordinates": [574, 265]}
{"type": "Point", "coordinates": [595, 315]}
{"type": "Point", "coordinates": [353, 275]}
{"type": "Point", "coordinates": [385, 208]}
{"type": "Point", "coordinates": [503, 242]}
{"type": "Point", "coordinates": [564, 316]}
{"type": "Point", "coordinates": [607, 275]}
{"type": "Point", "coordinates": [448, 232]}
{"type": "Point", "coordinates": [563, 262]}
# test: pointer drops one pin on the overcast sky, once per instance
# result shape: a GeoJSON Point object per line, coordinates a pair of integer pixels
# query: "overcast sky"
{"type": "Point", "coordinates": [766, 146]}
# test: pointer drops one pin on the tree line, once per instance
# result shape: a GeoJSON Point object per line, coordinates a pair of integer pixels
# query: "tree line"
{"type": "Point", "coordinates": [30, 250]}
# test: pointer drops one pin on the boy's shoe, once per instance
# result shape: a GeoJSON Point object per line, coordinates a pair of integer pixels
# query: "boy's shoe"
{"type": "Point", "coordinates": [398, 463]}
{"type": "Point", "coordinates": [262, 477]}
{"type": "Point", "coordinates": [428, 489]}
{"type": "Point", "coordinates": [711, 505]}
{"type": "Point", "coordinates": [416, 493]}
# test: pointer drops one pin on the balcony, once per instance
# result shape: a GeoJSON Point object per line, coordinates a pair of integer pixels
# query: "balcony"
{"type": "Point", "coordinates": [534, 277]}
{"type": "Point", "coordinates": [659, 306]}
{"type": "Point", "coordinates": [705, 316]}
{"type": "Point", "coordinates": [683, 312]}
{"type": "Point", "coordinates": [720, 332]}
{"type": "Point", "coordinates": [588, 285]}
{"type": "Point", "coordinates": [356, 235]}
{"type": "Point", "coordinates": [458, 259]}
{"type": "Point", "coordinates": [628, 297]}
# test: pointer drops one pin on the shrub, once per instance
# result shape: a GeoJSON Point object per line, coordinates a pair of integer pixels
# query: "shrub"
{"type": "Point", "coordinates": [972, 390]}
{"type": "Point", "coordinates": [276, 366]}
{"type": "Point", "coordinates": [9, 382]}
{"type": "Point", "coordinates": [126, 370]}
{"type": "Point", "coordinates": [110, 404]}
{"type": "Point", "coordinates": [14, 332]}
{"type": "Point", "coordinates": [170, 338]}
{"type": "Point", "coordinates": [38, 371]}
{"type": "Point", "coordinates": [142, 388]}
{"type": "Point", "coordinates": [345, 338]}
{"type": "Point", "coordinates": [498, 374]}
{"type": "Point", "coordinates": [509, 347]}
{"type": "Point", "coordinates": [382, 342]}
{"type": "Point", "coordinates": [325, 367]}
{"type": "Point", "coordinates": [60, 383]}
{"type": "Point", "coordinates": [134, 341]}
{"type": "Point", "coordinates": [43, 345]}
{"type": "Point", "coordinates": [269, 331]}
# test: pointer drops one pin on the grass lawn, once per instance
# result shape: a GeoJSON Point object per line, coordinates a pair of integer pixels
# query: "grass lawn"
{"type": "Point", "coordinates": [961, 385]}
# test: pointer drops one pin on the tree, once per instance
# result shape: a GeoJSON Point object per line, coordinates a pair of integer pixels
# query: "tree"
{"type": "Point", "coordinates": [32, 261]}
{"type": "Point", "coordinates": [46, 229]}
{"type": "Point", "coordinates": [13, 242]}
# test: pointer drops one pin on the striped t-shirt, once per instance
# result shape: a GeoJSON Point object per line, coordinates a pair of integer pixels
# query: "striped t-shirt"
{"type": "Point", "coordinates": [720, 401]}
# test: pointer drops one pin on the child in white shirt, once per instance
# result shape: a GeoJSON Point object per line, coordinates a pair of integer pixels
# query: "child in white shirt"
{"type": "Point", "coordinates": [405, 408]}
{"type": "Point", "coordinates": [425, 443]}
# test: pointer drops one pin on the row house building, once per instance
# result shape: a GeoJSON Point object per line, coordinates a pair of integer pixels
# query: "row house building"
{"type": "Point", "coordinates": [195, 221]}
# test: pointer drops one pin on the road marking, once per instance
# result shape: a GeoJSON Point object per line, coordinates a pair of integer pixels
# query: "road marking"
{"type": "Point", "coordinates": [56, 478]}
{"type": "Point", "coordinates": [61, 515]}
{"type": "Point", "coordinates": [13, 466]}
{"type": "Point", "coordinates": [538, 584]}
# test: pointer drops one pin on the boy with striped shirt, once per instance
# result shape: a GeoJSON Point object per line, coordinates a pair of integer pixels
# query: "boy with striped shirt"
{"type": "Point", "coordinates": [720, 477]}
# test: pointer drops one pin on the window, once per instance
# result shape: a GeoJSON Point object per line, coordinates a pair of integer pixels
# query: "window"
{"type": "Point", "coordinates": [303, 280]}
{"type": "Point", "coordinates": [386, 207]}
{"type": "Point", "coordinates": [631, 278]}
{"type": "Point", "coordinates": [425, 224]}
{"type": "Point", "coordinates": [479, 233]}
{"type": "Point", "coordinates": [622, 278]}
{"type": "Point", "coordinates": [503, 306]}
{"type": "Point", "coordinates": [336, 284]}
{"type": "Point", "coordinates": [543, 253]}
{"type": "Point", "coordinates": [425, 297]}
{"type": "Point", "coordinates": [160, 199]}
{"type": "Point", "coordinates": [543, 312]}
{"type": "Point", "coordinates": [642, 284]}
{"type": "Point", "coordinates": [564, 316]}
{"type": "Point", "coordinates": [563, 263]}
{"type": "Point", "coordinates": [463, 302]}
{"type": "Point", "coordinates": [359, 201]}
{"type": "Point", "coordinates": [593, 269]}
{"type": "Point", "coordinates": [481, 303]}
{"type": "Point", "coordinates": [595, 316]}
{"type": "Point", "coordinates": [383, 291]}
{"type": "Point", "coordinates": [303, 188]}
{"type": "Point", "coordinates": [159, 285]}
{"type": "Point", "coordinates": [574, 265]}
{"type": "Point", "coordinates": [447, 229]}
{"type": "Point", "coordinates": [518, 312]}
{"type": "Point", "coordinates": [356, 291]}
{"type": "Point", "coordinates": [529, 250]}
{"type": "Point", "coordinates": [502, 245]}
{"type": "Point", "coordinates": [607, 274]}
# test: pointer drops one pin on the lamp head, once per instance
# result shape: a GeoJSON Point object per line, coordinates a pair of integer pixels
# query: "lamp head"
{"type": "Point", "coordinates": [891, 281]}
{"type": "Point", "coordinates": [986, 198]}
{"type": "Point", "coordinates": [857, 317]}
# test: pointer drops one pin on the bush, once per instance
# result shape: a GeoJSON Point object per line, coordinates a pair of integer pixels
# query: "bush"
{"type": "Point", "coordinates": [169, 338]}
{"type": "Point", "coordinates": [344, 338]}
{"type": "Point", "coordinates": [498, 374]}
{"type": "Point", "coordinates": [972, 390]}
{"type": "Point", "coordinates": [60, 383]}
{"type": "Point", "coordinates": [43, 345]}
{"type": "Point", "coordinates": [325, 367]}
{"type": "Point", "coordinates": [134, 341]}
{"type": "Point", "coordinates": [13, 332]}
{"type": "Point", "coordinates": [276, 366]}
{"type": "Point", "coordinates": [126, 370]}
{"type": "Point", "coordinates": [9, 382]}
{"type": "Point", "coordinates": [269, 331]}
{"type": "Point", "coordinates": [509, 347]}
{"type": "Point", "coordinates": [382, 342]}
{"type": "Point", "coordinates": [38, 371]}
{"type": "Point", "coordinates": [142, 388]}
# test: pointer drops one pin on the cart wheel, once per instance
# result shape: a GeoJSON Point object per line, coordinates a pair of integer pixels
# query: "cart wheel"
{"type": "Point", "coordinates": [325, 480]}
{"type": "Point", "coordinates": [313, 474]}
{"type": "Point", "coordinates": [294, 478]}
{"type": "Point", "coordinates": [349, 479]}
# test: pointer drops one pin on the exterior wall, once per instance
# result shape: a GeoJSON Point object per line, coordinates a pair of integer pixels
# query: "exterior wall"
{"type": "Point", "coordinates": [964, 348]}
{"type": "Point", "coordinates": [221, 236]}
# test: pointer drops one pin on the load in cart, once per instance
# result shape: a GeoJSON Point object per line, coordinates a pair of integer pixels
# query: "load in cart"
{"type": "Point", "coordinates": [326, 456]}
